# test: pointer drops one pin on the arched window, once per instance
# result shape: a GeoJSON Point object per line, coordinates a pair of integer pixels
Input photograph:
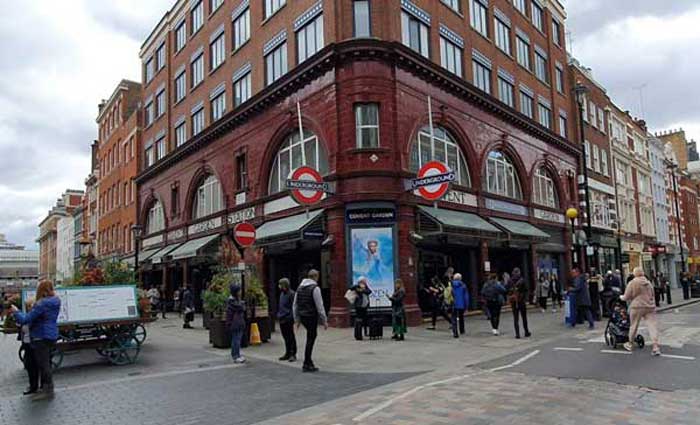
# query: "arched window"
{"type": "Point", "coordinates": [543, 190]}
{"type": "Point", "coordinates": [295, 153]}
{"type": "Point", "coordinates": [443, 148]}
{"type": "Point", "coordinates": [208, 198]}
{"type": "Point", "coordinates": [501, 176]}
{"type": "Point", "coordinates": [155, 222]}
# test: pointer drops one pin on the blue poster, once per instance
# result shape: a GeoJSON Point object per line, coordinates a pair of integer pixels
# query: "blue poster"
{"type": "Point", "coordinates": [373, 258]}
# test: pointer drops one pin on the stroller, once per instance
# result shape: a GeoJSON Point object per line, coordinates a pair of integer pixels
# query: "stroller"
{"type": "Point", "coordinates": [618, 327]}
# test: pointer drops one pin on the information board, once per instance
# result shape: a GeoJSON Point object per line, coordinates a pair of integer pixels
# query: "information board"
{"type": "Point", "coordinates": [94, 304]}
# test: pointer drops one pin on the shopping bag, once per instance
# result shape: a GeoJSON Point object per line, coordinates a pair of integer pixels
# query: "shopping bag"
{"type": "Point", "coordinates": [351, 296]}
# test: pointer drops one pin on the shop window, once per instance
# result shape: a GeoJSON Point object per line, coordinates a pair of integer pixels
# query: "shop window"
{"type": "Point", "coordinates": [544, 192]}
{"type": "Point", "coordinates": [295, 153]}
{"type": "Point", "coordinates": [155, 222]}
{"type": "Point", "coordinates": [502, 177]}
{"type": "Point", "coordinates": [208, 198]}
{"type": "Point", "coordinates": [440, 147]}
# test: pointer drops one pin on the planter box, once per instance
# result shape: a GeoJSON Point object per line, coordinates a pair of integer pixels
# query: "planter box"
{"type": "Point", "coordinates": [219, 335]}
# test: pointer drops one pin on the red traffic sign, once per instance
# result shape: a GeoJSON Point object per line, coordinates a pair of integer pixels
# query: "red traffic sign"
{"type": "Point", "coordinates": [433, 180]}
{"type": "Point", "coordinates": [307, 185]}
{"type": "Point", "coordinates": [244, 234]}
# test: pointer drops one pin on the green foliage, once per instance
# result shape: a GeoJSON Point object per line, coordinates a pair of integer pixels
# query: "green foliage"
{"type": "Point", "coordinates": [255, 293]}
{"type": "Point", "coordinates": [217, 292]}
{"type": "Point", "coordinates": [119, 273]}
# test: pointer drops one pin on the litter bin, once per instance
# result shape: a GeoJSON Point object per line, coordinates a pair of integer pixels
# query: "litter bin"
{"type": "Point", "coordinates": [570, 309]}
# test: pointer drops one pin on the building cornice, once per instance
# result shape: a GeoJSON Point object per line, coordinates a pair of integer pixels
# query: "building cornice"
{"type": "Point", "coordinates": [330, 58]}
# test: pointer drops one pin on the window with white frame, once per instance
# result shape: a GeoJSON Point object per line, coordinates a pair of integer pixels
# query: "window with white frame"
{"type": "Point", "coordinates": [501, 176]}
{"type": "Point", "coordinates": [197, 122]}
{"type": "Point", "coordinates": [523, 52]}
{"type": "Point", "coordinates": [181, 134]}
{"type": "Point", "coordinates": [361, 18]}
{"type": "Point", "coordinates": [295, 153]}
{"type": "Point", "coordinates": [276, 64]}
{"type": "Point", "coordinates": [527, 103]}
{"type": "Point", "coordinates": [414, 34]}
{"type": "Point", "coordinates": [481, 75]}
{"type": "Point", "coordinates": [544, 192]}
{"type": "Point", "coordinates": [479, 17]}
{"type": "Point", "coordinates": [272, 6]}
{"type": "Point", "coordinates": [600, 209]}
{"type": "Point", "coordinates": [537, 16]}
{"type": "Point", "coordinates": [559, 79]}
{"type": "Point", "coordinates": [521, 6]}
{"type": "Point", "coordinates": [214, 5]}
{"type": "Point", "coordinates": [208, 198]}
{"type": "Point", "coordinates": [440, 147]}
{"type": "Point", "coordinates": [310, 39]}
{"type": "Point", "coordinates": [155, 221]}
{"type": "Point", "coordinates": [596, 158]}
{"type": "Point", "coordinates": [160, 103]}
{"type": "Point", "coordinates": [161, 148]}
{"type": "Point", "coordinates": [502, 35]}
{"type": "Point", "coordinates": [160, 57]}
{"type": "Point", "coordinates": [587, 151]}
{"type": "Point", "coordinates": [622, 173]}
{"type": "Point", "coordinates": [541, 67]}
{"type": "Point", "coordinates": [601, 120]}
{"type": "Point", "coordinates": [367, 125]}
{"type": "Point", "coordinates": [180, 86]}
{"type": "Point", "coordinates": [180, 35]}
{"type": "Point", "coordinates": [505, 92]}
{"type": "Point", "coordinates": [453, 4]}
{"type": "Point", "coordinates": [148, 113]}
{"type": "Point", "coordinates": [197, 16]}
{"type": "Point", "coordinates": [217, 50]}
{"type": "Point", "coordinates": [197, 70]}
{"type": "Point", "coordinates": [556, 32]}
{"type": "Point", "coordinates": [149, 70]}
{"type": "Point", "coordinates": [593, 119]}
{"type": "Point", "coordinates": [585, 108]}
{"type": "Point", "coordinates": [451, 56]}
{"type": "Point", "coordinates": [241, 29]}
{"type": "Point", "coordinates": [604, 163]}
{"type": "Point", "coordinates": [218, 106]}
{"type": "Point", "coordinates": [241, 89]}
{"type": "Point", "coordinates": [150, 156]}
{"type": "Point", "coordinates": [563, 126]}
{"type": "Point", "coordinates": [545, 114]}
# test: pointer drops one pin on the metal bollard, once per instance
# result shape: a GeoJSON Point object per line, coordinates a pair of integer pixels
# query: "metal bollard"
{"type": "Point", "coordinates": [668, 294]}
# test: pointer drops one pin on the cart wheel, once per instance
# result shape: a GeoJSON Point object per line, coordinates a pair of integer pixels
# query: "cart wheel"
{"type": "Point", "coordinates": [56, 358]}
{"type": "Point", "coordinates": [613, 340]}
{"type": "Point", "coordinates": [139, 332]}
{"type": "Point", "coordinates": [607, 335]}
{"type": "Point", "coordinates": [101, 351]}
{"type": "Point", "coordinates": [122, 349]}
{"type": "Point", "coordinates": [640, 341]}
{"type": "Point", "coordinates": [21, 353]}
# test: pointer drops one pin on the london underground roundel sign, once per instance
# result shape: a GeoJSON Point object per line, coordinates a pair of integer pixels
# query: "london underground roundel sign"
{"type": "Point", "coordinates": [244, 234]}
{"type": "Point", "coordinates": [306, 185]}
{"type": "Point", "coordinates": [433, 180]}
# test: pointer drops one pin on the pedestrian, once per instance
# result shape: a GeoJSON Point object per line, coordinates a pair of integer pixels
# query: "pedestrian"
{"type": "Point", "coordinates": [640, 296]}
{"type": "Point", "coordinates": [361, 305]}
{"type": "Point", "coordinates": [163, 302]}
{"type": "Point", "coordinates": [542, 291]}
{"type": "Point", "coordinates": [460, 301]}
{"type": "Point", "coordinates": [235, 321]}
{"type": "Point", "coordinates": [436, 290]}
{"type": "Point", "coordinates": [595, 285]}
{"type": "Point", "coordinates": [43, 331]}
{"type": "Point", "coordinates": [656, 284]}
{"type": "Point", "coordinates": [398, 314]}
{"type": "Point", "coordinates": [29, 359]}
{"type": "Point", "coordinates": [188, 306]}
{"type": "Point", "coordinates": [176, 303]}
{"type": "Point", "coordinates": [154, 298]}
{"type": "Point", "coordinates": [685, 284]}
{"type": "Point", "coordinates": [517, 296]}
{"type": "Point", "coordinates": [494, 295]}
{"type": "Point", "coordinates": [285, 316]}
{"type": "Point", "coordinates": [555, 289]}
{"type": "Point", "coordinates": [583, 297]}
{"type": "Point", "coordinates": [309, 311]}
{"type": "Point", "coordinates": [663, 284]}
{"type": "Point", "coordinates": [617, 279]}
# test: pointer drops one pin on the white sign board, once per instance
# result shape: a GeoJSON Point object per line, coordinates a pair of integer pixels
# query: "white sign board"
{"type": "Point", "coordinates": [94, 304]}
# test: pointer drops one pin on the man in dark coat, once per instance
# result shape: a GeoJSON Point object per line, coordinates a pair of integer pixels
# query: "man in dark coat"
{"type": "Point", "coordinates": [285, 316]}
{"type": "Point", "coordinates": [583, 296]}
{"type": "Point", "coordinates": [188, 306]}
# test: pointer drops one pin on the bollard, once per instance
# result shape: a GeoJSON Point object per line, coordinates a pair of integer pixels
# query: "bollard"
{"type": "Point", "coordinates": [668, 294]}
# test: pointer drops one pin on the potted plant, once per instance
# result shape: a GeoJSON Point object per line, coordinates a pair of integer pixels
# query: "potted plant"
{"type": "Point", "coordinates": [215, 306]}
{"type": "Point", "coordinates": [257, 302]}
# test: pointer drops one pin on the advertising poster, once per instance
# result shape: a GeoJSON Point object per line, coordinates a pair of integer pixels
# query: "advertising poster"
{"type": "Point", "coordinates": [373, 257]}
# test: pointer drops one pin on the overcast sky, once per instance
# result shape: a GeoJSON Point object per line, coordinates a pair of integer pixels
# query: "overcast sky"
{"type": "Point", "coordinates": [59, 58]}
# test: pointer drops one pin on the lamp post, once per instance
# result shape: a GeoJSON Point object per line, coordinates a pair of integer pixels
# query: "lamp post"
{"type": "Point", "coordinates": [571, 214]}
{"type": "Point", "coordinates": [672, 168]}
{"type": "Point", "coordinates": [136, 232]}
{"type": "Point", "coordinates": [580, 90]}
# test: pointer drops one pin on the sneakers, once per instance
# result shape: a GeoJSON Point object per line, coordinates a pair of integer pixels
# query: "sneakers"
{"type": "Point", "coordinates": [543, 310]}
{"type": "Point", "coordinates": [628, 346]}
{"type": "Point", "coordinates": [656, 351]}
{"type": "Point", "coordinates": [239, 360]}
{"type": "Point", "coordinates": [284, 358]}
{"type": "Point", "coordinates": [292, 359]}
{"type": "Point", "coordinates": [554, 310]}
{"type": "Point", "coordinates": [494, 332]}
{"type": "Point", "coordinates": [309, 368]}
{"type": "Point", "coordinates": [528, 334]}
{"type": "Point", "coordinates": [42, 395]}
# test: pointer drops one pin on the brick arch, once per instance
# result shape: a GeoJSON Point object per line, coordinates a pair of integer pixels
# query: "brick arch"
{"type": "Point", "coordinates": [151, 199]}
{"type": "Point", "coordinates": [449, 123]}
{"type": "Point", "coordinates": [204, 171]}
{"type": "Point", "coordinates": [523, 176]}
{"type": "Point", "coordinates": [551, 169]}
{"type": "Point", "coordinates": [281, 133]}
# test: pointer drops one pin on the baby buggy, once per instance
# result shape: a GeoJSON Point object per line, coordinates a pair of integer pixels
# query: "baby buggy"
{"type": "Point", "coordinates": [618, 328]}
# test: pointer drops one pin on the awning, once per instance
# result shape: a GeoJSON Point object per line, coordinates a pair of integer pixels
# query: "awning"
{"type": "Point", "coordinates": [520, 229]}
{"type": "Point", "coordinates": [191, 248]}
{"type": "Point", "coordinates": [602, 240]}
{"type": "Point", "coordinates": [148, 253]}
{"type": "Point", "coordinates": [158, 257]}
{"type": "Point", "coordinates": [289, 228]}
{"type": "Point", "coordinates": [129, 261]}
{"type": "Point", "coordinates": [451, 221]}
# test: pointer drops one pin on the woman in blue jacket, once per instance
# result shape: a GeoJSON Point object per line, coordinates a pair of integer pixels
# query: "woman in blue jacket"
{"type": "Point", "coordinates": [459, 305]}
{"type": "Point", "coordinates": [43, 331]}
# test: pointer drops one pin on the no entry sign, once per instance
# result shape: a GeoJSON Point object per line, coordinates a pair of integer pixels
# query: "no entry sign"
{"type": "Point", "coordinates": [307, 185]}
{"type": "Point", "coordinates": [433, 180]}
{"type": "Point", "coordinates": [244, 234]}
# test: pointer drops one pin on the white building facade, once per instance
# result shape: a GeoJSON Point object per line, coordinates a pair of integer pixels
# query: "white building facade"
{"type": "Point", "coordinates": [65, 242]}
{"type": "Point", "coordinates": [666, 250]}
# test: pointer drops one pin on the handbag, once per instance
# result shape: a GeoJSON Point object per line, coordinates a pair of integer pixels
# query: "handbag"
{"type": "Point", "coordinates": [351, 296]}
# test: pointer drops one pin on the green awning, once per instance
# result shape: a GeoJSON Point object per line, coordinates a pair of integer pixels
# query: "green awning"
{"type": "Point", "coordinates": [158, 257]}
{"type": "Point", "coordinates": [520, 229]}
{"type": "Point", "coordinates": [459, 220]}
{"type": "Point", "coordinates": [148, 253]}
{"type": "Point", "coordinates": [286, 229]}
{"type": "Point", "coordinates": [191, 248]}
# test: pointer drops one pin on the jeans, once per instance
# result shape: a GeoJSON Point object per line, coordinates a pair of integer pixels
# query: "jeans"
{"type": "Point", "coordinates": [236, 336]}
{"type": "Point", "coordinates": [42, 349]}
{"type": "Point", "coordinates": [543, 303]}
{"type": "Point", "coordinates": [494, 314]}
{"type": "Point", "coordinates": [520, 309]}
{"type": "Point", "coordinates": [584, 310]}
{"type": "Point", "coordinates": [457, 319]}
{"type": "Point", "coordinates": [686, 291]}
{"type": "Point", "coordinates": [361, 323]}
{"type": "Point", "coordinates": [290, 341]}
{"type": "Point", "coordinates": [311, 325]}
{"type": "Point", "coordinates": [31, 367]}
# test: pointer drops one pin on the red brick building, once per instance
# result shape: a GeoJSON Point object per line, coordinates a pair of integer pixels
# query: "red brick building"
{"type": "Point", "coordinates": [218, 151]}
{"type": "Point", "coordinates": [118, 144]}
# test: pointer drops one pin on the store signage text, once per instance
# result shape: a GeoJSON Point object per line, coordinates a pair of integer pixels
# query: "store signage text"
{"type": "Point", "coordinates": [371, 215]}
{"type": "Point", "coordinates": [152, 240]}
{"type": "Point", "coordinates": [241, 216]}
{"type": "Point", "coordinates": [204, 226]}
{"type": "Point", "coordinates": [461, 198]}
{"type": "Point", "coordinates": [506, 207]}
{"type": "Point", "coordinates": [548, 216]}
{"type": "Point", "coordinates": [176, 234]}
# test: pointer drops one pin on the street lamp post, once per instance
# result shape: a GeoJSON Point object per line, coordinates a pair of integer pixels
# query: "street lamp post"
{"type": "Point", "coordinates": [672, 167]}
{"type": "Point", "coordinates": [571, 214]}
{"type": "Point", "coordinates": [136, 232]}
{"type": "Point", "coordinates": [580, 90]}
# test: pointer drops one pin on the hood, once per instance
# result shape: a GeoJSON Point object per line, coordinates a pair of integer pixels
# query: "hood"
{"type": "Point", "coordinates": [515, 274]}
{"type": "Point", "coordinates": [307, 282]}
{"type": "Point", "coordinates": [642, 281]}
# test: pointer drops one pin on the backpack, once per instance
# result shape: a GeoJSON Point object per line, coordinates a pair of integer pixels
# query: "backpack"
{"type": "Point", "coordinates": [447, 295]}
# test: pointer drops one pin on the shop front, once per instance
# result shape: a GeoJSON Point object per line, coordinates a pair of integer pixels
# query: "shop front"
{"type": "Point", "coordinates": [607, 248]}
